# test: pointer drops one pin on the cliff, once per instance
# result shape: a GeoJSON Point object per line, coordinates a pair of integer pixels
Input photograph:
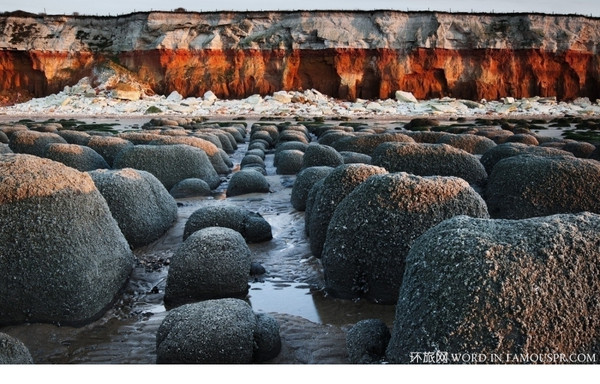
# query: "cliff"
{"type": "Point", "coordinates": [344, 54]}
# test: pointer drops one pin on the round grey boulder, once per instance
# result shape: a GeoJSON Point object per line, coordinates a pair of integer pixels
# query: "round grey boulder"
{"type": "Point", "coordinates": [523, 138]}
{"type": "Point", "coordinates": [502, 151]}
{"type": "Point", "coordinates": [170, 163]}
{"type": "Point", "coordinates": [211, 150]}
{"type": "Point", "coordinates": [498, 287]}
{"type": "Point", "coordinates": [430, 160]}
{"type": "Point", "coordinates": [289, 161]}
{"type": "Point", "coordinates": [528, 186]}
{"type": "Point", "coordinates": [75, 156]}
{"type": "Point", "coordinates": [190, 188]}
{"type": "Point", "coordinates": [13, 351]}
{"type": "Point", "coordinates": [212, 263]}
{"type": "Point", "coordinates": [355, 158]}
{"type": "Point", "coordinates": [63, 257]}
{"type": "Point", "coordinates": [321, 155]}
{"type": "Point", "coordinates": [209, 332]}
{"type": "Point", "coordinates": [109, 147]}
{"type": "Point", "coordinates": [247, 181]}
{"type": "Point", "coordinates": [252, 160]}
{"type": "Point", "coordinates": [366, 144]}
{"type": "Point", "coordinates": [75, 137]}
{"type": "Point", "coordinates": [251, 225]}
{"type": "Point", "coordinates": [33, 142]}
{"type": "Point", "coordinates": [304, 182]}
{"type": "Point", "coordinates": [267, 338]}
{"type": "Point", "coordinates": [366, 341]}
{"type": "Point", "coordinates": [340, 182]}
{"type": "Point", "coordinates": [374, 227]}
{"type": "Point", "coordinates": [4, 148]}
{"type": "Point", "coordinates": [139, 202]}
{"type": "Point", "coordinates": [469, 143]}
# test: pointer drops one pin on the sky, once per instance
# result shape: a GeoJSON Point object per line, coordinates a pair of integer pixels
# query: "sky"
{"type": "Point", "coordinates": [116, 7]}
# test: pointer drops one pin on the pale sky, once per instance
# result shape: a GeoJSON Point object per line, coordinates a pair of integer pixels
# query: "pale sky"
{"type": "Point", "coordinates": [116, 7]}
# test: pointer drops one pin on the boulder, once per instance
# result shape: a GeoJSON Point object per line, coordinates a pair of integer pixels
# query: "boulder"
{"type": "Point", "coordinates": [209, 332]}
{"type": "Point", "coordinates": [498, 287]}
{"type": "Point", "coordinates": [430, 160]}
{"type": "Point", "coordinates": [251, 225]}
{"type": "Point", "coordinates": [523, 138]}
{"type": "Point", "coordinates": [366, 341]}
{"type": "Point", "coordinates": [170, 163]}
{"type": "Point", "coordinates": [209, 148]}
{"type": "Point", "coordinates": [406, 97]}
{"type": "Point", "coordinates": [75, 156]}
{"type": "Point", "coordinates": [75, 137]}
{"type": "Point", "coordinates": [13, 351]}
{"type": "Point", "coordinates": [355, 158]}
{"type": "Point", "coordinates": [4, 148]}
{"type": "Point", "coordinates": [289, 162]}
{"type": "Point", "coordinates": [366, 144]}
{"type": "Point", "coordinates": [474, 144]}
{"type": "Point", "coordinates": [212, 263]}
{"type": "Point", "coordinates": [502, 151]}
{"type": "Point", "coordinates": [109, 147]}
{"type": "Point", "coordinates": [527, 186]}
{"type": "Point", "coordinates": [3, 138]}
{"type": "Point", "coordinates": [191, 187]}
{"type": "Point", "coordinates": [340, 182]}
{"type": "Point", "coordinates": [313, 194]}
{"type": "Point", "coordinates": [267, 338]}
{"type": "Point", "coordinates": [142, 206]}
{"type": "Point", "coordinates": [62, 256]}
{"type": "Point", "coordinates": [374, 227]}
{"type": "Point", "coordinates": [33, 142]}
{"type": "Point", "coordinates": [330, 137]}
{"type": "Point", "coordinates": [425, 136]}
{"type": "Point", "coordinates": [321, 155]}
{"type": "Point", "coordinates": [304, 182]}
{"type": "Point", "coordinates": [250, 159]}
{"type": "Point", "coordinates": [247, 181]}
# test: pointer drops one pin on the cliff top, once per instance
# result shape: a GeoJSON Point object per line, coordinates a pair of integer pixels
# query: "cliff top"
{"type": "Point", "coordinates": [377, 29]}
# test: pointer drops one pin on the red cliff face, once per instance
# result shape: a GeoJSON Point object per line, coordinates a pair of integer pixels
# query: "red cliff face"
{"type": "Point", "coordinates": [236, 55]}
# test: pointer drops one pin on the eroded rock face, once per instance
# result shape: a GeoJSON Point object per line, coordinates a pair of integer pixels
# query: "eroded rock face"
{"type": "Point", "coordinates": [348, 55]}
{"type": "Point", "coordinates": [501, 287]}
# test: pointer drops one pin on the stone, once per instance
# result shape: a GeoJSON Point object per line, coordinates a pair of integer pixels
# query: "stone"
{"type": "Point", "coordinates": [4, 148]}
{"type": "Point", "coordinates": [497, 287]}
{"type": "Point", "coordinates": [373, 228]}
{"type": "Point", "coordinates": [63, 257]}
{"type": "Point", "coordinates": [191, 187]}
{"type": "Point", "coordinates": [527, 186]}
{"type": "Point", "coordinates": [212, 263]}
{"type": "Point", "coordinates": [405, 97]}
{"type": "Point", "coordinates": [209, 332]}
{"type": "Point", "coordinates": [174, 97]}
{"type": "Point", "coordinates": [289, 161]}
{"type": "Point", "coordinates": [170, 163]}
{"type": "Point", "coordinates": [503, 151]}
{"type": "Point", "coordinates": [523, 138]}
{"type": "Point", "coordinates": [75, 156]}
{"type": "Point", "coordinates": [321, 155]}
{"type": "Point", "coordinates": [108, 147]}
{"type": "Point", "coordinates": [355, 158]}
{"type": "Point", "coordinates": [211, 150]}
{"type": "Point", "coordinates": [473, 144]}
{"type": "Point", "coordinates": [251, 225]}
{"type": "Point", "coordinates": [267, 338]}
{"type": "Point", "coordinates": [33, 142]}
{"type": "Point", "coordinates": [430, 160]}
{"type": "Point", "coordinates": [252, 160]}
{"type": "Point", "coordinates": [366, 144]}
{"type": "Point", "coordinates": [367, 341]}
{"type": "Point", "coordinates": [138, 201]}
{"type": "Point", "coordinates": [75, 137]}
{"type": "Point", "coordinates": [305, 180]}
{"type": "Point", "coordinates": [13, 351]}
{"type": "Point", "coordinates": [210, 96]}
{"type": "Point", "coordinates": [336, 186]}
{"type": "Point", "coordinates": [247, 181]}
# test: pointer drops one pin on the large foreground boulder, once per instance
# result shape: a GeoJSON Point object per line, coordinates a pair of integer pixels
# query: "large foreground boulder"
{"type": "Point", "coordinates": [340, 182]}
{"type": "Point", "coordinates": [13, 351]}
{"type": "Point", "coordinates": [138, 201]}
{"type": "Point", "coordinates": [251, 225]}
{"type": "Point", "coordinates": [528, 186]}
{"type": "Point", "coordinates": [374, 227]}
{"type": "Point", "coordinates": [170, 163]}
{"type": "Point", "coordinates": [502, 288]}
{"type": "Point", "coordinates": [208, 332]}
{"type": "Point", "coordinates": [62, 256]}
{"type": "Point", "coordinates": [430, 160]}
{"type": "Point", "coordinates": [212, 263]}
